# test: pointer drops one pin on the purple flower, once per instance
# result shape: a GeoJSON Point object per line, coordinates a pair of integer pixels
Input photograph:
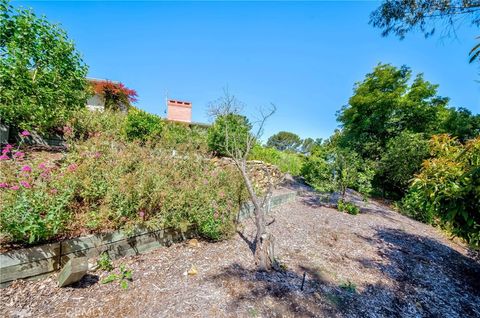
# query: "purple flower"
{"type": "Point", "coordinates": [5, 151]}
{"type": "Point", "coordinates": [4, 157]}
{"type": "Point", "coordinates": [15, 187]}
{"type": "Point", "coordinates": [141, 214]}
{"type": "Point", "coordinates": [25, 184]}
{"type": "Point", "coordinates": [3, 185]}
{"type": "Point", "coordinates": [42, 166]}
{"type": "Point", "coordinates": [26, 169]}
{"type": "Point", "coordinates": [25, 133]}
{"type": "Point", "coordinates": [97, 155]}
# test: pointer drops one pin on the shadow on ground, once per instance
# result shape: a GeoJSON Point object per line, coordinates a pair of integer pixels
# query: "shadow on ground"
{"type": "Point", "coordinates": [423, 278]}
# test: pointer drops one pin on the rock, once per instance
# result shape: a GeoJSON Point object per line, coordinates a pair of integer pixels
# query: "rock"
{"type": "Point", "coordinates": [73, 271]}
{"type": "Point", "coordinates": [192, 271]}
{"type": "Point", "coordinates": [193, 243]}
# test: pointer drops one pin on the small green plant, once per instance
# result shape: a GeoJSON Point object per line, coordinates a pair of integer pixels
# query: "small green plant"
{"type": "Point", "coordinates": [348, 286]}
{"type": "Point", "coordinates": [124, 276]}
{"type": "Point", "coordinates": [348, 207]}
{"type": "Point", "coordinates": [104, 262]}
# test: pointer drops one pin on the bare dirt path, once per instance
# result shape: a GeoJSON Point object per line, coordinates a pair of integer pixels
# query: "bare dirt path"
{"type": "Point", "coordinates": [375, 264]}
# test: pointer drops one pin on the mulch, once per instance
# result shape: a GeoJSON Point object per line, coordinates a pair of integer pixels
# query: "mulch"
{"type": "Point", "coordinates": [375, 264]}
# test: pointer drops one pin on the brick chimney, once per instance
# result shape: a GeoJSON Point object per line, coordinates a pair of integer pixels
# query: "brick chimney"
{"type": "Point", "coordinates": [179, 111]}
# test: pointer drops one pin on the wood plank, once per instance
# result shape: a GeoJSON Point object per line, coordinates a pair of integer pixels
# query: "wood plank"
{"type": "Point", "coordinates": [73, 271]}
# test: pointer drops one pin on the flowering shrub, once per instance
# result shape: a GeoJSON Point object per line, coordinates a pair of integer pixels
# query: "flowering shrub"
{"type": "Point", "coordinates": [33, 196]}
{"type": "Point", "coordinates": [104, 184]}
{"type": "Point", "coordinates": [116, 95]}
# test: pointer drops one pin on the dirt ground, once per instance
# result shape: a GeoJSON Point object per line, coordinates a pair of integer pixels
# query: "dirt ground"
{"type": "Point", "coordinates": [375, 264]}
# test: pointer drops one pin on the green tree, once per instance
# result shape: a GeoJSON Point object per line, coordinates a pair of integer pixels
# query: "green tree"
{"type": "Point", "coordinates": [285, 141]}
{"type": "Point", "coordinates": [384, 104]}
{"type": "Point", "coordinates": [402, 159]}
{"type": "Point", "coordinates": [42, 77]}
{"type": "Point", "coordinates": [401, 17]}
{"type": "Point", "coordinates": [461, 123]}
{"type": "Point", "coordinates": [229, 133]}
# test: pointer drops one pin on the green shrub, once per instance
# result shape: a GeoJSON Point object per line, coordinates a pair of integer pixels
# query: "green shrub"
{"type": "Point", "coordinates": [348, 207]}
{"type": "Point", "coordinates": [228, 134]}
{"type": "Point", "coordinates": [447, 189]}
{"type": "Point", "coordinates": [287, 162]}
{"type": "Point", "coordinates": [402, 160]}
{"type": "Point", "coordinates": [42, 76]}
{"type": "Point", "coordinates": [142, 126]}
{"type": "Point", "coordinates": [85, 123]}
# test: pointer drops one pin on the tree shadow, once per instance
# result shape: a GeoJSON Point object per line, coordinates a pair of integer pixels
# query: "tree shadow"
{"type": "Point", "coordinates": [430, 278]}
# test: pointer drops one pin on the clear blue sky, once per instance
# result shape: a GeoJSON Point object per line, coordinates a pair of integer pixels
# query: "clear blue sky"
{"type": "Point", "coordinates": [304, 57]}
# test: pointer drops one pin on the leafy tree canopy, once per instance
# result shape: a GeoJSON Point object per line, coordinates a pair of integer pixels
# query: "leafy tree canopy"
{"type": "Point", "coordinates": [400, 17]}
{"type": "Point", "coordinates": [228, 134]}
{"type": "Point", "coordinates": [385, 104]}
{"type": "Point", "coordinates": [285, 140]}
{"type": "Point", "coordinates": [42, 77]}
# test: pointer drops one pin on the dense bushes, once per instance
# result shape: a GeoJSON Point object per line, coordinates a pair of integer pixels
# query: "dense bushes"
{"type": "Point", "coordinates": [42, 77]}
{"type": "Point", "coordinates": [330, 168]}
{"type": "Point", "coordinates": [105, 184]}
{"type": "Point", "coordinates": [285, 161]}
{"type": "Point", "coordinates": [447, 189]}
{"type": "Point", "coordinates": [142, 126]}
{"type": "Point", "coordinates": [229, 134]}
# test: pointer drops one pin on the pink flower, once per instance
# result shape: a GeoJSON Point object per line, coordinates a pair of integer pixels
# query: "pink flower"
{"type": "Point", "coordinates": [15, 187]}
{"type": "Point", "coordinates": [97, 155]}
{"type": "Point", "coordinates": [8, 146]}
{"type": "Point", "coordinates": [4, 157]}
{"type": "Point", "coordinates": [25, 184]}
{"type": "Point", "coordinates": [26, 169]}
{"type": "Point", "coordinates": [25, 133]}
{"type": "Point", "coordinates": [141, 214]}
{"type": "Point", "coordinates": [72, 167]}
{"type": "Point", "coordinates": [221, 194]}
{"type": "Point", "coordinates": [53, 191]}
{"type": "Point", "coordinates": [67, 130]}
{"type": "Point", "coordinates": [3, 185]}
{"type": "Point", "coordinates": [205, 182]}
{"type": "Point", "coordinates": [42, 166]}
{"type": "Point", "coordinates": [19, 155]}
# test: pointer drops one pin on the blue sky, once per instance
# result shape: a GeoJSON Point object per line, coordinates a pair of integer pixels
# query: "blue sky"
{"type": "Point", "coordinates": [304, 57]}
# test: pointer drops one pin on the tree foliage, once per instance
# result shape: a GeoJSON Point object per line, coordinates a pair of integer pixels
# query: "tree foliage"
{"type": "Point", "coordinates": [229, 132]}
{"type": "Point", "coordinates": [285, 141]}
{"type": "Point", "coordinates": [447, 189]}
{"type": "Point", "coordinates": [42, 76]}
{"type": "Point", "coordinates": [399, 17]}
{"type": "Point", "coordinates": [388, 116]}
{"type": "Point", "coordinates": [116, 95]}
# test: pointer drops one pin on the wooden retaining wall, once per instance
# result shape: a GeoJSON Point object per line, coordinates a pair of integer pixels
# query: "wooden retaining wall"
{"type": "Point", "coordinates": [40, 261]}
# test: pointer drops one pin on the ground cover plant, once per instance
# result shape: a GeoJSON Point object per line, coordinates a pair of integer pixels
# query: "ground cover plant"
{"type": "Point", "coordinates": [104, 183]}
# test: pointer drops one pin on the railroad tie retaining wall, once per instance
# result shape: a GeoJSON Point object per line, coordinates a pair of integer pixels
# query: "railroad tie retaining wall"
{"type": "Point", "coordinates": [40, 261]}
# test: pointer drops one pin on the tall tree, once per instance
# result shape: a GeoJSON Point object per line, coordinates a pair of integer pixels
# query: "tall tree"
{"type": "Point", "coordinates": [285, 140]}
{"type": "Point", "coordinates": [400, 16]}
{"type": "Point", "coordinates": [42, 76]}
{"type": "Point", "coordinates": [384, 104]}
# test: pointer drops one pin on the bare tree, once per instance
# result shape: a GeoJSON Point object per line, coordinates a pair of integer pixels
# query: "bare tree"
{"type": "Point", "coordinates": [227, 104]}
{"type": "Point", "coordinates": [238, 150]}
